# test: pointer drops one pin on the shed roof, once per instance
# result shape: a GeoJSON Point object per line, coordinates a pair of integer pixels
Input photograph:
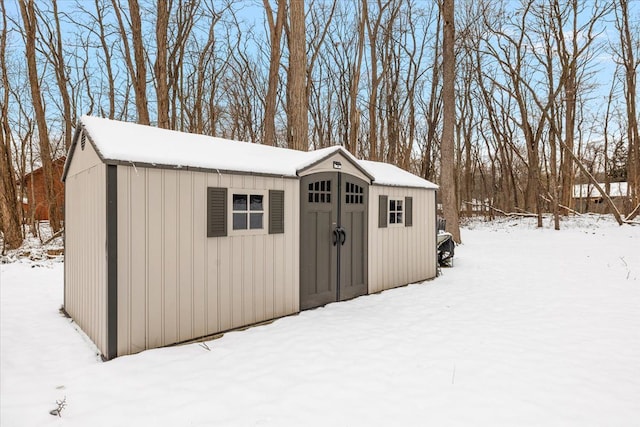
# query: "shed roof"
{"type": "Point", "coordinates": [123, 142]}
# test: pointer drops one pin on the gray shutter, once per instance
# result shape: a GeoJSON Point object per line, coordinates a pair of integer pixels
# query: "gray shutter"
{"type": "Point", "coordinates": [276, 211]}
{"type": "Point", "coordinates": [383, 201]}
{"type": "Point", "coordinates": [216, 212]}
{"type": "Point", "coordinates": [408, 211]}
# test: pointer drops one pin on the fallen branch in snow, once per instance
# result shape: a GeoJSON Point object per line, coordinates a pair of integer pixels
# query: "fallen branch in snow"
{"type": "Point", "coordinates": [633, 213]}
{"type": "Point", "coordinates": [626, 266]}
{"type": "Point", "coordinates": [61, 405]}
{"type": "Point", "coordinates": [500, 211]}
{"type": "Point", "coordinates": [205, 346]}
{"type": "Point", "coordinates": [561, 206]}
{"type": "Point", "coordinates": [57, 234]}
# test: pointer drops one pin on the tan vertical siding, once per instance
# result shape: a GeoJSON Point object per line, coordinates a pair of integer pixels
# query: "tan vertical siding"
{"type": "Point", "coordinates": [402, 255]}
{"type": "Point", "coordinates": [174, 283]}
{"type": "Point", "coordinates": [85, 246]}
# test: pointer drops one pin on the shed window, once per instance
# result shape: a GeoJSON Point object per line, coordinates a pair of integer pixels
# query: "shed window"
{"type": "Point", "coordinates": [354, 194]}
{"type": "Point", "coordinates": [319, 192]}
{"type": "Point", "coordinates": [248, 211]}
{"type": "Point", "coordinates": [396, 211]}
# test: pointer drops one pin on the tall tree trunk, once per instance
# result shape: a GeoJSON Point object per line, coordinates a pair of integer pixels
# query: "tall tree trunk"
{"type": "Point", "coordinates": [160, 66]}
{"type": "Point", "coordinates": [354, 114]}
{"type": "Point", "coordinates": [447, 181]}
{"type": "Point", "coordinates": [28, 12]}
{"type": "Point", "coordinates": [275, 32]}
{"type": "Point", "coordinates": [297, 108]}
{"type": "Point", "coordinates": [9, 215]}
{"type": "Point", "coordinates": [570, 120]}
{"type": "Point", "coordinates": [106, 51]}
{"type": "Point", "coordinates": [630, 65]}
{"type": "Point", "coordinates": [136, 65]}
{"type": "Point", "coordinates": [62, 78]}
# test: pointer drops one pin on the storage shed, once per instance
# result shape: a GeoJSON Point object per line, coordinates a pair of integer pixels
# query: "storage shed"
{"type": "Point", "coordinates": [172, 236]}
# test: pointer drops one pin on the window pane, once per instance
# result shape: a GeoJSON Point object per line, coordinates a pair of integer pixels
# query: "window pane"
{"type": "Point", "coordinates": [316, 186]}
{"type": "Point", "coordinates": [392, 218]}
{"type": "Point", "coordinates": [399, 219]}
{"type": "Point", "coordinates": [311, 186]}
{"type": "Point", "coordinates": [329, 198]}
{"type": "Point", "coordinates": [255, 221]}
{"type": "Point", "coordinates": [392, 205]}
{"type": "Point", "coordinates": [256, 202]}
{"type": "Point", "coordinates": [239, 202]}
{"type": "Point", "coordinates": [316, 198]}
{"type": "Point", "coordinates": [322, 185]}
{"type": "Point", "coordinates": [322, 198]}
{"type": "Point", "coordinates": [328, 185]}
{"type": "Point", "coordinates": [399, 205]}
{"type": "Point", "coordinates": [310, 197]}
{"type": "Point", "coordinates": [239, 221]}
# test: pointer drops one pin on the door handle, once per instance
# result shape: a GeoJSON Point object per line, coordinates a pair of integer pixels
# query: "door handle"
{"type": "Point", "coordinates": [336, 236]}
{"type": "Point", "coordinates": [343, 235]}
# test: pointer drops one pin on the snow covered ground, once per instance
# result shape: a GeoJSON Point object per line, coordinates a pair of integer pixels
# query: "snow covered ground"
{"type": "Point", "coordinates": [532, 327]}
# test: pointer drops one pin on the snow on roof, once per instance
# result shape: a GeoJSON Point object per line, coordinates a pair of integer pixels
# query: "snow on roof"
{"type": "Point", "coordinates": [130, 142]}
{"type": "Point", "coordinates": [388, 174]}
{"type": "Point", "coordinates": [581, 191]}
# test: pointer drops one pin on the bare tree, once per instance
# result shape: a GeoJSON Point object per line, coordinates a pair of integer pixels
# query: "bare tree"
{"type": "Point", "coordinates": [447, 181]}
{"type": "Point", "coordinates": [297, 101]}
{"type": "Point", "coordinates": [275, 37]}
{"type": "Point", "coordinates": [9, 216]}
{"type": "Point", "coordinates": [628, 56]}
{"type": "Point", "coordinates": [51, 36]}
{"type": "Point", "coordinates": [30, 22]}
{"type": "Point", "coordinates": [356, 67]}
{"type": "Point", "coordinates": [160, 65]}
{"type": "Point", "coordinates": [136, 64]}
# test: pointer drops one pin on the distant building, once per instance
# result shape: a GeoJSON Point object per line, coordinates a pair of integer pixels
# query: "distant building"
{"type": "Point", "coordinates": [34, 192]}
{"type": "Point", "coordinates": [587, 198]}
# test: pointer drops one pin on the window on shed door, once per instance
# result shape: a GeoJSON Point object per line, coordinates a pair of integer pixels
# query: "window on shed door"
{"type": "Point", "coordinates": [396, 212]}
{"type": "Point", "coordinates": [354, 194]}
{"type": "Point", "coordinates": [319, 192]}
{"type": "Point", "coordinates": [248, 211]}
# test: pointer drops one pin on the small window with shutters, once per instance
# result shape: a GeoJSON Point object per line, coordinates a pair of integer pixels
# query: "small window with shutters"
{"type": "Point", "coordinates": [247, 211]}
{"type": "Point", "coordinates": [244, 212]}
{"type": "Point", "coordinates": [395, 212]}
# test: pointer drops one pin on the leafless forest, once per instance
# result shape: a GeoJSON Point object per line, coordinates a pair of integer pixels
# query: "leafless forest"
{"type": "Point", "coordinates": [535, 96]}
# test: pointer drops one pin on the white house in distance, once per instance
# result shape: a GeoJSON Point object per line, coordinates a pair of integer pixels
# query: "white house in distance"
{"type": "Point", "coordinates": [171, 236]}
{"type": "Point", "coordinates": [587, 198]}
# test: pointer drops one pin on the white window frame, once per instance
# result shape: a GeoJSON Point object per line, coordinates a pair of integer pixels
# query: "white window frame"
{"type": "Point", "coordinates": [395, 212]}
{"type": "Point", "coordinates": [265, 212]}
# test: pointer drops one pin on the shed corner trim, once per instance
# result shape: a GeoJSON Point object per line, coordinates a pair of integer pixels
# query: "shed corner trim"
{"type": "Point", "coordinates": [112, 262]}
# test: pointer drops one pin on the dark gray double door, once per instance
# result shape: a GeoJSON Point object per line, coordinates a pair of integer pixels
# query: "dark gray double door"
{"type": "Point", "coordinates": [333, 238]}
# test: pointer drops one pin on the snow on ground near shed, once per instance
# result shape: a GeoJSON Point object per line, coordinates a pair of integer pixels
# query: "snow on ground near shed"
{"type": "Point", "coordinates": [530, 328]}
